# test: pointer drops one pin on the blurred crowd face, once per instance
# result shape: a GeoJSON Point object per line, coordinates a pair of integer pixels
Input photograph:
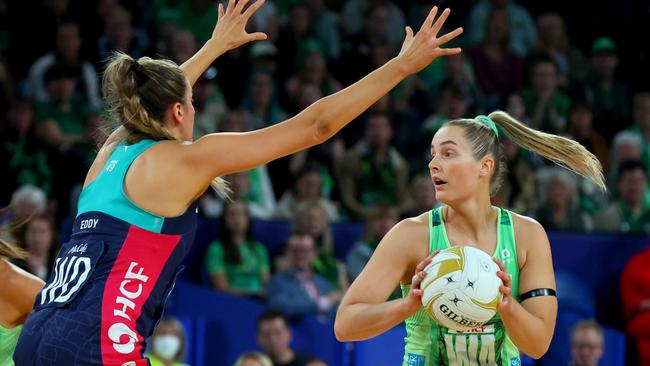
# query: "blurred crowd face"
{"type": "Point", "coordinates": [423, 192]}
{"type": "Point", "coordinates": [605, 65]}
{"type": "Point", "coordinates": [631, 187]}
{"type": "Point", "coordinates": [236, 218]}
{"type": "Point", "coordinates": [581, 122]}
{"type": "Point", "coordinates": [551, 30]}
{"type": "Point", "coordinates": [309, 186]}
{"type": "Point", "coordinates": [378, 131]}
{"type": "Point", "coordinates": [38, 236]}
{"type": "Point", "coordinates": [498, 27]}
{"type": "Point", "coordinates": [627, 152]}
{"type": "Point", "coordinates": [233, 121]}
{"type": "Point", "coordinates": [377, 22]}
{"type": "Point", "coordinates": [183, 46]}
{"type": "Point", "coordinates": [558, 193]}
{"type": "Point", "coordinates": [453, 105]}
{"type": "Point", "coordinates": [118, 29]}
{"type": "Point", "coordinates": [68, 42]}
{"type": "Point", "coordinates": [313, 221]}
{"type": "Point", "coordinates": [516, 107]}
{"type": "Point", "coordinates": [274, 337]}
{"type": "Point", "coordinates": [544, 78]}
{"type": "Point", "coordinates": [167, 341]}
{"type": "Point", "coordinates": [586, 347]}
{"type": "Point", "coordinates": [302, 252]}
{"type": "Point", "coordinates": [61, 89]}
{"type": "Point", "coordinates": [21, 117]}
{"type": "Point", "coordinates": [261, 89]}
{"type": "Point", "coordinates": [299, 20]}
{"type": "Point", "coordinates": [382, 224]}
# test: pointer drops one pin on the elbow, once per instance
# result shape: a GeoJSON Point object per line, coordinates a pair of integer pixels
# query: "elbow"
{"type": "Point", "coordinates": [539, 350]}
{"type": "Point", "coordinates": [340, 331]}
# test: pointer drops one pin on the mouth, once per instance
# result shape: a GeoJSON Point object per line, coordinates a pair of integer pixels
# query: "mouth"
{"type": "Point", "coordinates": [438, 183]}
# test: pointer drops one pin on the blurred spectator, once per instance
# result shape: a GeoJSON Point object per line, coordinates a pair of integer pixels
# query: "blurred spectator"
{"type": "Point", "coordinates": [308, 188]}
{"type": "Point", "coordinates": [310, 69]}
{"type": "Point", "coordinates": [635, 293]}
{"type": "Point", "coordinates": [252, 187]}
{"type": "Point", "coordinates": [253, 359]}
{"type": "Point", "coordinates": [6, 83]}
{"type": "Point", "coordinates": [296, 29]}
{"type": "Point", "coordinates": [261, 100]}
{"type": "Point", "coordinates": [39, 237]}
{"type": "Point", "coordinates": [373, 171]}
{"type": "Point", "coordinates": [209, 104]}
{"type": "Point", "coordinates": [266, 20]}
{"type": "Point", "coordinates": [312, 219]}
{"type": "Point", "coordinates": [65, 56]}
{"type": "Point", "coordinates": [498, 70]}
{"type": "Point", "coordinates": [424, 195]}
{"type": "Point", "coordinates": [626, 146]}
{"type": "Point", "coordinates": [452, 104]}
{"type": "Point", "coordinates": [26, 201]}
{"type": "Point", "coordinates": [325, 26]}
{"type": "Point", "coordinates": [581, 129]}
{"type": "Point", "coordinates": [393, 22]}
{"type": "Point", "coordinates": [298, 291]}
{"type": "Point", "coordinates": [522, 26]}
{"type": "Point", "coordinates": [516, 107]}
{"type": "Point", "coordinates": [120, 35]}
{"type": "Point", "coordinates": [559, 208]}
{"type": "Point", "coordinates": [629, 212]}
{"type": "Point", "coordinates": [587, 343]}
{"type": "Point", "coordinates": [459, 73]}
{"type": "Point", "coordinates": [63, 117]}
{"type": "Point", "coordinates": [182, 45]}
{"type": "Point", "coordinates": [553, 40]}
{"type": "Point", "coordinates": [23, 157]}
{"type": "Point", "coordinates": [263, 55]}
{"type": "Point", "coordinates": [518, 190]}
{"type": "Point", "coordinates": [641, 125]}
{"type": "Point", "coordinates": [237, 263]}
{"type": "Point", "coordinates": [382, 219]}
{"type": "Point", "coordinates": [274, 336]}
{"type": "Point", "coordinates": [547, 105]}
{"type": "Point", "coordinates": [605, 92]}
{"type": "Point", "coordinates": [167, 343]}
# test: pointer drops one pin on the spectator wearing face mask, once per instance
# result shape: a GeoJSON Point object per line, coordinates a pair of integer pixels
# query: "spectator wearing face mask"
{"type": "Point", "coordinates": [167, 344]}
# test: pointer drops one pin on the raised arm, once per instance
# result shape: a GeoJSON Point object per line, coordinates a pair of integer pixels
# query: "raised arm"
{"type": "Point", "coordinates": [229, 33]}
{"type": "Point", "coordinates": [219, 154]}
{"type": "Point", "coordinates": [530, 324]}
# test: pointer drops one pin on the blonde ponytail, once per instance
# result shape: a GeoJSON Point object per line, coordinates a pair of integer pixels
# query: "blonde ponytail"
{"type": "Point", "coordinates": [137, 94]}
{"type": "Point", "coordinates": [561, 150]}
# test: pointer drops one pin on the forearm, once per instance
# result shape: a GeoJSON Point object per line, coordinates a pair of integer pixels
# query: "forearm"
{"type": "Point", "coordinates": [528, 332]}
{"type": "Point", "coordinates": [201, 60]}
{"type": "Point", "coordinates": [337, 110]}
{"type": "Point", "coordinates": [357, 322]}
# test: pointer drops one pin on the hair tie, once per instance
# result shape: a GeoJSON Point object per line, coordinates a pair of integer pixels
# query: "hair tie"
{"type": "Point", "coordinates": [140, 76]}
{"type": "Point", "coordinates": [488, 122]}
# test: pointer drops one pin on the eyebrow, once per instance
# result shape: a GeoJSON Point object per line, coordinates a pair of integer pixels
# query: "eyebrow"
{"type": "Point", "coordinates": [446, 142]}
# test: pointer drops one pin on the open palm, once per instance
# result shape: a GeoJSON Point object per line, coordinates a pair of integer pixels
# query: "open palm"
{"type": "Point", "coordinates": [230, 31]}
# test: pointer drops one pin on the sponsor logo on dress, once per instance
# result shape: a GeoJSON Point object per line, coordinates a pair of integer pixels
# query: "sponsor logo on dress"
{"type": "Point", "coordinates": [124, 338]}
{"type": "Point", "coordinates": [415, 360]}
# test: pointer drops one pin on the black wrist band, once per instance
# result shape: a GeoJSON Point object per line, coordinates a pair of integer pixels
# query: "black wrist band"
{"type": "Point", "coordinates": [537, 292]}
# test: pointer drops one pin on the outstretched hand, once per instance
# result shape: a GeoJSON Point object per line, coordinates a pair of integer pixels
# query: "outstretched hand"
{"type": "Point", "coordinates": [230, 31]}
{"type": "Point", "coordinates": [420, 49]}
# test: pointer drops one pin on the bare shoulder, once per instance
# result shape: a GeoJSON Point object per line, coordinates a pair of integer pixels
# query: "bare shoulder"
{"type": "Point", "coordinates": [410, 236]}
{"type": "Point", "coordinates": [525, 226]}
{"type": "Point", "coordinates": [531, 238]}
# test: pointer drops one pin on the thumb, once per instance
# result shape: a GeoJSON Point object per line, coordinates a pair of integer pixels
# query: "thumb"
{"type": "Point", "coordinates": [257, 36]}
{"type": "Point", "coordinates": [409, 32]}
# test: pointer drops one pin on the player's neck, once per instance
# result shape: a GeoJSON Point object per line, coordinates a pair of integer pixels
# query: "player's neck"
{"type": "Point", "coordinates": [471, 216]}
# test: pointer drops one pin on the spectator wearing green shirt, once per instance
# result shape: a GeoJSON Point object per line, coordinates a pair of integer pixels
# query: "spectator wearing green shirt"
{"type": "Point", "coordinates": [237, 264]}
{"type": "Point", "coordinates": [62, 119]}
{"type": "Point", "coordinates": [547, 104]}
{"type": "Point", "coordinates": [641, 125]}
{"type": "Point", "coordinates": [629, 212]}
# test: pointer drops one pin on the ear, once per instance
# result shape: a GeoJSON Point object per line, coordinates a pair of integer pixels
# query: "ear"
{"type": "Point", "coordinates": [176, 114]}
{"type": "Point", "coordinates": [487, 166]}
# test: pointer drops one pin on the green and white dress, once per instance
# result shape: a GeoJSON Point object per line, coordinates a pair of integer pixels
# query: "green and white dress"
{"type": "Point", "coordinates": [429, 344]}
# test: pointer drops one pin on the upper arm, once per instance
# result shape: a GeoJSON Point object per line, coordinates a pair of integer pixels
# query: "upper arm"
{"type": "Point", "coordinates": [389, 263]}
{"type": "Point", "coordinates": [537, 270]}
{"type": "Point", "coordinates": [219, 154]}
{"type": "Point", "coordinates": [18, 293]}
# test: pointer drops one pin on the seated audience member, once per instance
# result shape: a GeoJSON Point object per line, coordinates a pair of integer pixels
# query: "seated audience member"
{"type": "Point", "coordinates": [373, 171]}
{"type": "Point", "coordinates": [518, 190]}
{"type": "Point", "coordinates": [167, 343]}
{"type": "Point", "coordinates": [237, 263]}
{"type": "Point", "coordinates": [307, 188]}
{"type": "Point", "coordinates": [635, 293]}
{"type": "Point", "coordinates": [40, 239]}
{"type": "Point", "coordinates": [312, 219]}
{"type": "Point", "coordinates": [424, 195]}
{"type": "Point", "coordinates": [559, 209]}
{"type": "Point", "coordinates": [629, 212]}
{"type": "Point", "coordinates": [25, 202]}
{"type": "Point", "coordinates": [253, 359]}
{"type": "Point", "coordinates": [377, 225]}
{"type": "Point", "coordinates": [274, 336]}
{"type": "Point", "coordinates": [587, 343]}
{"type": "Point", "coordinates": [641, 126]}
{"type": "Point", "coordinates": [252, 187]}
{"type": "Point", "coordinates": [299, 291]}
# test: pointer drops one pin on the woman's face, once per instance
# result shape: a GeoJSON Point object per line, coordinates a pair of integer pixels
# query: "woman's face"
{"type": "Point", "coordinates": [455, 173]}
{"type": "Point", "coordinates": [236, 218]}
{"type": "Point", "coordinates": [38, 237]}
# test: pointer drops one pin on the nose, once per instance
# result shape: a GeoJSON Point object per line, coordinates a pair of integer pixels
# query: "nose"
{"type": "Point", "coordinates": [433, 165]}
